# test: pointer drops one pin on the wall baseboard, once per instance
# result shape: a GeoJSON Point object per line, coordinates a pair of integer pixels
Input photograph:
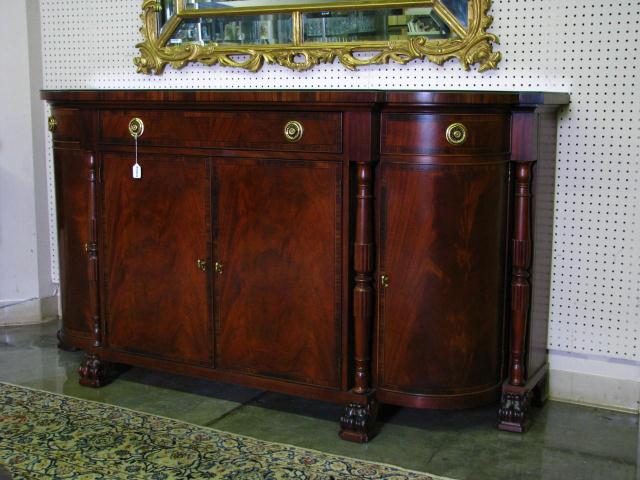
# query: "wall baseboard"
{"type": "Point", "coordinates": [35, 310]}
{"type": "Point", "coordinates": [595, 381]}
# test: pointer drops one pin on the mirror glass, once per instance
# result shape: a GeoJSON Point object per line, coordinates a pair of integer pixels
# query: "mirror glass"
{"type": "Point", "coordinates": [334, 26]}
{"type": "Point", "coordinates": [383, 24]}
{"type": "Point", "coordinates": [459, 8]}
{"type": "Point", "coordinates": [293, 4]}
{"type": "Point", "coordinates": [168, 10]}
{"type": "Point", "coordinates": [235, 30]}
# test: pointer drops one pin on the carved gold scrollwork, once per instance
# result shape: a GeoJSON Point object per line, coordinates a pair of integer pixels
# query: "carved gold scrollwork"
{"type": "Point", "coordinates": [473, 47]}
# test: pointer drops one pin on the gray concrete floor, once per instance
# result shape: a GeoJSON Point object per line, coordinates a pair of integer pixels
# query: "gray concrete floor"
{"type": "Point", "coordinates": [565, 441]}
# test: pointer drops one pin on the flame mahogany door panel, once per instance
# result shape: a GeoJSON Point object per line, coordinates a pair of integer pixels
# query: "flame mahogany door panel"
{"type": "Point", "coordinates": [277, 233]}
{"type": "Point", "coordinates": [155, 229]}
{"type": "Point", "coordinates": [73, 199]}
{"type": "Point", "coordinates": [441, 316]}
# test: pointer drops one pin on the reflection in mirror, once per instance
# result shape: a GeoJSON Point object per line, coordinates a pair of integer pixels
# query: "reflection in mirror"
{"type": "Point", "coordinates": [374, 25]}
{"type": "Point", "coordinates": [459, 8]}
{"type": "Point", "coordinates": [168, 9]}
{"type": "Point", "coordinates": [235, 30]}
{"type": "Point", "coordinates": [209, 4]}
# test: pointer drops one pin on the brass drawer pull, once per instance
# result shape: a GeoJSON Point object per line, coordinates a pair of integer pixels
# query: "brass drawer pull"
{"type": "Point", "coordinates": [293, 131]}
{"type": "Point", "coordinates": [217, 267]}
{"type": "Point", "coordinates": [456, 134]}
{"type": "Point", "coordinates": [52, 123]}
{"type": "Point", "coordinates": [136, 127]}
{"type": "Point", "coordinates": [384, 281]}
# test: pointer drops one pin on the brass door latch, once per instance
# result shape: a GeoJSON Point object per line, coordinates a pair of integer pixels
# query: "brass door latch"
{"type": "Point", "coordinates": [202, 265]}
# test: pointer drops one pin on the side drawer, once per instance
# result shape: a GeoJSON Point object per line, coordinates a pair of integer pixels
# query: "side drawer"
{"type": "Point", "coordinates": [426, 133]}
{"type": "Point", "coordinates": [246, 130]}
{"type": "Point", "coordinates": [67, 124]}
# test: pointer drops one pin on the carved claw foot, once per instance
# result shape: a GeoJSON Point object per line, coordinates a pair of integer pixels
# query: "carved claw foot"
{"type": "Point", "coordinates": [94, 372]}
{"type": "Point", "coordinates": [358, 421]}
{"type": "Point", "coordinates": [513, 415]}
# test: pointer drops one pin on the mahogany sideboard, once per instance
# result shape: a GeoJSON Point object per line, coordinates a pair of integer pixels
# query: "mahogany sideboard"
{"type": "Point", "coordinates": [359, 247]}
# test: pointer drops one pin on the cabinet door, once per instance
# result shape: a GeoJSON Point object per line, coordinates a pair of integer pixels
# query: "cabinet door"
{"type": "Point", "coordinates": [278, 299]}
{"type": "Point", "coordinates": [73, 200]}
{"type": "Point", "coordinates": [442, 248]}
{"type": "Point", "coordinates": [156, 228]}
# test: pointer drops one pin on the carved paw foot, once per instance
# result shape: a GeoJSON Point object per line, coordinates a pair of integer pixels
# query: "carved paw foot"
{"type": "Point", "coordinates": [513, 415]}
{"type": "Point", "coordinates": [357, 423]}
{"type": "Point", "coordinates": [94, 372]}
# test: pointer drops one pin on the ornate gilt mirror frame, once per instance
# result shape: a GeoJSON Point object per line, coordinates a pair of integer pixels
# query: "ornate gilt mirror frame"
{"type": "Point", "coordinates": [470, 43]}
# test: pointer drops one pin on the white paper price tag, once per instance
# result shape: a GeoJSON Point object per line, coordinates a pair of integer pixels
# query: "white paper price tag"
{"type": "Point", "coordinates": [136, 170]}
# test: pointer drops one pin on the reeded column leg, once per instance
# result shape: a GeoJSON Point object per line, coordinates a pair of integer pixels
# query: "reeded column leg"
{"type": "Point", "coordinates": [517, 392]}
{"type": "Point", "coordinates": [358, 420]}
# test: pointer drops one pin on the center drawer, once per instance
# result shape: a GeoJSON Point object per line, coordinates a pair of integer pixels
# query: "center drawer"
{"type": "Point", "coordinates": [244, 130]}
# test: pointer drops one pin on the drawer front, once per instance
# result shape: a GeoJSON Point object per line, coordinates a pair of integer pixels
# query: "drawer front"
{"type": "Point", "coordinates": [444, 134]}
{"type": "Point", "coordinates": [251, 130]}
{"type": "Point", "coordinates": [68, 124]}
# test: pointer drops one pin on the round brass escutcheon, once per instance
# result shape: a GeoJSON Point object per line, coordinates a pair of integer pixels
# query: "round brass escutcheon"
{"type": "Point", "coordinates": [456, 134]}
{"type": "Point", "coordinates": [136, 127]}
{"type": "Point", "coordinates": [293, 131]}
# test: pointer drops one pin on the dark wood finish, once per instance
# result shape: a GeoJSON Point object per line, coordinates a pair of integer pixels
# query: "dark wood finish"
{"type": "Point", "coordinates": [94, 372]}
{"type": "Point", "coordinates": [236, 99]}
{"type": "Point", "coordinates": [543, 183]}
{"type": "Point", "coordinates": [515, 404]}
{"type": "Point", "coordinates": [251, 130]}
{"type": "Point", "coordinates": [278, 231]}
{"type": "Point", "coordinates": [304, 235]}
{"type": "Point", "coordinates": [533, 140]}
{"type": "Point", "coordinates": [73, 199]}
{"type": "Point", "coordinates": [363, 268]}
{"type": "Point", "coordinates": [521, 261]}
{"type": "Point", "coordinates": [310, 99]}
{"type": "Point", "coordinates": [155, 230]}
{"type": "Point", "coordinates": [444, 338]}
{"type": "Point", "coordinates": [358, 422]}
{"type": "Point", "coordinates": [69, 125]}
{"type": "Point", "coordinates": [91, 247]}
{"type": "Point", "coordinates": [425, 134]}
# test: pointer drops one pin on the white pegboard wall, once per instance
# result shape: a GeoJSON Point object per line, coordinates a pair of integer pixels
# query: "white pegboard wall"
{"type": "Point", "coordinates": [91, 44]}
{"type": "Point", "coordinates": [589, 48]}
{"type": "Point", "coordinates": [51, 204]}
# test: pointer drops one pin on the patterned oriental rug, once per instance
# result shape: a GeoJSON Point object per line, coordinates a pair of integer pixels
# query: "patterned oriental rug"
{"type": "Point", "coordinates": [44, 435]}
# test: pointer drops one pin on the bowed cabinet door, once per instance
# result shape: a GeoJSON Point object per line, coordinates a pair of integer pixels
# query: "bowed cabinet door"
{"type": "Point", "coordinates": [278, 238]}
{"type": "Point", "coordinates": [156, 230]}
{"type": "Point", "coordinates": [73, 201]}
{"type": "Point", "coordinates": [443, 238]}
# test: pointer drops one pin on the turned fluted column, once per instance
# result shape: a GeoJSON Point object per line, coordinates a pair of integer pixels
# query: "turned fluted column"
{"type": "Point", "coordinates": [521, 264]}
{"type": "Point", "coordinates": [91, 248]}
{"type": "Point", "coordinates": [363, 262]}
